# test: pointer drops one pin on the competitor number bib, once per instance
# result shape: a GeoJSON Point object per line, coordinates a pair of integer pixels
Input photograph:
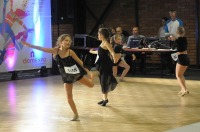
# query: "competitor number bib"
{"type": "Point", "coordinates": [72, 69]}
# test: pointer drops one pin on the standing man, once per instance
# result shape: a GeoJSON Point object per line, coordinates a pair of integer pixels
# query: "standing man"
{"type": "Point", "coordinates": [172, 24]}
{"type": "Point", "coordinates": [171, 30]}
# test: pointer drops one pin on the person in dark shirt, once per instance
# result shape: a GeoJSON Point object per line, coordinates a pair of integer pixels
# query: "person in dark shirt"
{"type": "Point", "coordinates": [119, 51]}
{"type": "Point", "coordinates": [140, 56]}
{"type": "Point", "coordinates": [120, 31]}
{"type": "Point", "coordinates": [183, 59]}
{"type": "Point", "coordinates": [64, 56]}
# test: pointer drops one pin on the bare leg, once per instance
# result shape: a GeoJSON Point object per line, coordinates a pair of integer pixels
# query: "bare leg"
{"type": "Point", "coordinates": [87, 81]}
{"type": "Point", "coordinates": [180, 70]}
{"type": "Point", "coordinates": [68, 88]}
{"type": "Point", "coordinates": [125, 71]}
{"type": "Point", "coordinates": [105, 96]}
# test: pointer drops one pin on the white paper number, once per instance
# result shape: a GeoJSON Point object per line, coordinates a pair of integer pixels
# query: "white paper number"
{"type": "Point", "coordinates": [72, 69]}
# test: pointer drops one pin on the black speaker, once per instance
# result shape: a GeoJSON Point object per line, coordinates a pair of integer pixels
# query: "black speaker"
{"type": "Point", "coordinates": [43, 71]}
{"type": "Point", "coordinates": [84, 40]}
{"type": "Point", "coordinates": [14, 75]}
{"type": "Point", "coordinates": [55, 70]}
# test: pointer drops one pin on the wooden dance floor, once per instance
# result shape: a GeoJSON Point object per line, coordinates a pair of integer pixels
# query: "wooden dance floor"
{"type": "Point", "coordinates": [140, 104]}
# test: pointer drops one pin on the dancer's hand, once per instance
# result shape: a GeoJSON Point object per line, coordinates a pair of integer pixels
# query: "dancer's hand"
{"type": "Point", "coordinates": [93, 51]}
{"type": "Point", "coordinates": [172, 38]}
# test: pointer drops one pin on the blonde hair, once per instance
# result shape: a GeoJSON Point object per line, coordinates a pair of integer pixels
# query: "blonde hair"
{"type": "Point", "coordinates": [181, 31]}
{"type": "Point", "coordinates": [61, 38]}
{"type": "Point", "coordinates": [113, 38]}
{"type": "Point", "coordinates": [117, 36]}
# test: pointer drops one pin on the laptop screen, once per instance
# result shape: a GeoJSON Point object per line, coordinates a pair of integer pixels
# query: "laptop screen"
{"type": "Point", "coordinates": [134, 43]}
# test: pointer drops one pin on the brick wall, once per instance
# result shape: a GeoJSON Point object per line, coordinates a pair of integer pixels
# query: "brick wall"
{"type": "Point", "coordinates": [64, 29]}
{"type": "Point", "coordinates": [150, 13]}
{"type": "Point", "coordinates": [120, 14]}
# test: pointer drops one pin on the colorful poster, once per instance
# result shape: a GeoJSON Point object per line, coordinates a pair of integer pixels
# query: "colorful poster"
{"type": "Point", "coordinates": [24, 20]}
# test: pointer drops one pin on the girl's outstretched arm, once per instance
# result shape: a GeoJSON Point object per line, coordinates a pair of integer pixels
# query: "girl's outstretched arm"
{"type": "Point", "coordinates": [48, 50]}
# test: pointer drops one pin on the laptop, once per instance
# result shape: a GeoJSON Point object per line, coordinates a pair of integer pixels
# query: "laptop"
{"type": "Point", "coordinates": [134, 43]}
{"type": "Point", "coordinates": [164, 44]}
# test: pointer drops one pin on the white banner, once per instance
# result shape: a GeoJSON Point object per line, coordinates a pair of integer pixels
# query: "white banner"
{"type": "Point", "coordinates": [27, 20]}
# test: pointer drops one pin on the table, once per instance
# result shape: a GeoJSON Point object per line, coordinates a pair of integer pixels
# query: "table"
{"type": "Point", "coordinates": [150, 50]}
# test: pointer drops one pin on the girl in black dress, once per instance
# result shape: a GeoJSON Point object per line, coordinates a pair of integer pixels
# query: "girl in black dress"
{"type": "Point", "coordinates": [104, 65]}
{"type": "Point", "coordinates": [70, 66]}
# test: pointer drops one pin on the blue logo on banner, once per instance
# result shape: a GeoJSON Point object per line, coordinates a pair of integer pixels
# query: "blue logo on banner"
{"type": "Point", "coordinates": [32, 54]}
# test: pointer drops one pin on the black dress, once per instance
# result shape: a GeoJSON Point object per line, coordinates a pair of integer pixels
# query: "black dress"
{"type": "Point", "coordinates": [104, 65]}
{"type": "Point", "coordinates": [69, 69]}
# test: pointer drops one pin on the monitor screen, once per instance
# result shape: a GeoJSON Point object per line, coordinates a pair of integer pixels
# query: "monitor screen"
{"type": "Point", "coordinates": [134, 43]}
{"type": "Point", "coordinates": [79, 42]}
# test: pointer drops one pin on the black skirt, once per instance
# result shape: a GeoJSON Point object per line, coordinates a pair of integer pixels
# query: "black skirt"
{"type": "Point", "coordinates": [104, 65]}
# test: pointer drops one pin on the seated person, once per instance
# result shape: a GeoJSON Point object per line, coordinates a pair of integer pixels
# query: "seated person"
{"type": "Point", "coordinates": [135, 37]}
{"type": "Point", "coordinates": [117, 44]}
{"type": "Point", "coordinates": [140, 56]}
{"type": "Point", "coordinates": [120, 31]}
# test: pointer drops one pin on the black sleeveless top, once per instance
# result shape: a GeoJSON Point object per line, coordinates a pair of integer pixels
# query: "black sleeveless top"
{"type": "Point", "coordinates": [69, 69]}
{"type": "Point", "coordinates": [103, 54]}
